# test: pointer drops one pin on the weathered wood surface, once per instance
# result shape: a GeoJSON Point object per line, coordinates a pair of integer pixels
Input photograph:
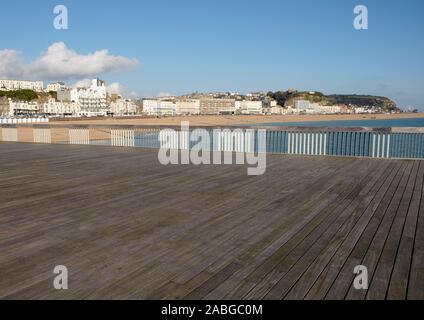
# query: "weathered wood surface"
{"type": "Point", "coordinates": [129, 228]}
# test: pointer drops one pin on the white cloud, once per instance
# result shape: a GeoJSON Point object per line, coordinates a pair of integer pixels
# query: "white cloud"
{"type": "Point", "coordinates": [61, 63]}
{"type": "Point", "coordinates": [10, 63]}
{"type": "Point", "coordinates": [116, 88]}
{"type": "Point", "coordinates": [122, 90]}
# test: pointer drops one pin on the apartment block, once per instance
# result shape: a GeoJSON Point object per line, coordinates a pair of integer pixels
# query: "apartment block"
{"type": "Point", "coordinates": [122, 107]}
{"type": "Point", "coordinates": [249, 107]}
{"type": "Point", "coordinates": [10, 85]}
{"type": "Point", "coordinates": [59, 108]}
{"type": "Point", "coordinates": [302, 104]}
{"type": "Point", "coordinates": [155, 107]}
{"type": "Point", "coordinates": [92, 99]}
{"type": "Point", "coordinates": [56, 86]}
{"type": "Point", "coordinates": [23, 108]}
{"type": "Point", "coordinates": [188, 106]}
{"type": "Point", "coordinates": [217, 106]}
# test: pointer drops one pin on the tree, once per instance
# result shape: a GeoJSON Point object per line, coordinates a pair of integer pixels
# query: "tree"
{"type": "Point", "coordinates": [24, 94]}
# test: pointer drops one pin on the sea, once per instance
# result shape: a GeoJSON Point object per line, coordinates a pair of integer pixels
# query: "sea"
{"type": "Point", "coordinates": [381, 123]}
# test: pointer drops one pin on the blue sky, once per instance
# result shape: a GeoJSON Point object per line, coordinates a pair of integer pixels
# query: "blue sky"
{"type": "Point", "coordinates": [236, 45]}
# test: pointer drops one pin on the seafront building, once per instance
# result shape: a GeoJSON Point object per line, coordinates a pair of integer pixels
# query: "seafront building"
{"type": "Point", "coordinates": [249, 107]}
{"type": "Point", "coordinates": [204, 106]}
{"type": "Point", "coordinates": [270, 106]}
{"type": "Point", "coordinates": [329, 109]}
{"type": "Point", "coordinates": [277, 110]}
{"type": "Point", "coordinates": [363, 110]}
{"type": "Point", "coordinates": [10, 85]}
{"type": "Point", "coordinates": [305, 106]}
{"type": "Point", "coordinates": [155, 107]}
{"type": "Point", "coordinates": [214, 106]}
{"type": "Point", "coordinates": [56, 86]}
{"type": "Point", "coordinates": [188, 106]}
{"type": "Point", "coordinates": [92, 100]}
{"type": "Point", "coordinates": [122, 107]}
{"type": "Point", "coordinates": [302, 105]}
{"type": "Point", "coordinates": [60, 108]}
{"type": "Point", "coordinates": [22, 108]}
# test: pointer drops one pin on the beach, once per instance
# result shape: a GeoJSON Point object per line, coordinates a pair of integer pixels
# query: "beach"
{"type": "Point", "coordinates": [225, 120]}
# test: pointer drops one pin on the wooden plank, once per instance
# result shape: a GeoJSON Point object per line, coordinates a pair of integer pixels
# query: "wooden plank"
{"type": "Point", "coordinates": [273, 231]}
{"type": "Point", "coordinates": [330, 239]}
{"type": "Point", "coordinates": [400, 274]}
{"type": "Point", "coordinates": [272, 271]}
{"type": "Point", "coordinates": [381, 277]}
{"type": "Point", "coordinates": [357, 244]}
{"type": "Point", "coordinates": [374, 251]}
{"type": "Point", "coordinates": [309, 278]}
{"type": "Point", "coordinates": [415, 289]}
{"type": "Point", "coordinates": [130, 228]}
{"type": "Point", "coordinates": [336, 281]}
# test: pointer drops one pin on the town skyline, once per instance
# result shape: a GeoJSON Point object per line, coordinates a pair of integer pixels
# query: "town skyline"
{"type": "Point", "coordinates": [97, 99]}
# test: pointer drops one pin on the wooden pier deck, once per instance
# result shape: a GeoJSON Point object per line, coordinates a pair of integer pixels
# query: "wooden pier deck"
{"type": "Point", "coordinates": [127, 227]}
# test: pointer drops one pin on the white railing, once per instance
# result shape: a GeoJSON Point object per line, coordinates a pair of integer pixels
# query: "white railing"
{"type": "Point", "coordinates": [9, 134]}
{"type": "Point", "coordinates": [79, 136]}
{"type": "Point", "coordinates": [23, 120]}
{"type": "Point", "coordinates": [392, 143]}
{"type": "Point", "coordinates": [42, 135]}
{"type": "Point", "coordinates": [122, 138]}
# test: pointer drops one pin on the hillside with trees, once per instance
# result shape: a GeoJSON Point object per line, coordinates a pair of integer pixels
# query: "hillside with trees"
{"type": "Point", "coordinates": [23, 95]}
{"type": "Point", "coordinates": [286, 98]}
{"type": "Point", "coordinates": [27, 95]}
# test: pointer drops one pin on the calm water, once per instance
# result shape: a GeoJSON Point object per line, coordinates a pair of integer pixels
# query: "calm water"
{"type": "Point", "coordinates": [415, 122]}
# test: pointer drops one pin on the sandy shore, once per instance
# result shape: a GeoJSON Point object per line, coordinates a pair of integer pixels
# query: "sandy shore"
{"type": "Point", "coordinates": [236, 119]}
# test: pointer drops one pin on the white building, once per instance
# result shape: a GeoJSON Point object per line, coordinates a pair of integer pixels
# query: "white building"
{"type": "Point", "coordinates": [302, 105]}
{"type": "Point", "coordinates": [273, 103]}
{"type": "Point", "coordinates": [270, 106]}
{"type": "Point", "coordinates": [362, 110]}
{"type": "Point", "coordinates": [276, 110]}
{"type": "Point", "coordinates": [216, 106]}
{"type": "Point", "coordinates": [159, 107]}
{"type": "Point", "coordinates": [288, 110]}
{"type": "Point", "coordinates": [314, 108]}
{"type": "Point", "coordinates": [18, 108]}
{"type": "Point", "coordinates": [123, 107]}
{"type": "Point", "coordinates": [330, 109]}
{"type": "Point", "coordinates": [21, 84]}
{"type": "Point", "coordinates": [188, 106]}
{"type": "Point", "coordinates": [56, 86]}
{"type": "Point", "coordinates": [254, 95]}
{"type": "Point", "coordinates": [92, 100]}
{"type": "Point", "coordinates": [249, 107]}
{"type": "Point", "coordinates": [59, 108]}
